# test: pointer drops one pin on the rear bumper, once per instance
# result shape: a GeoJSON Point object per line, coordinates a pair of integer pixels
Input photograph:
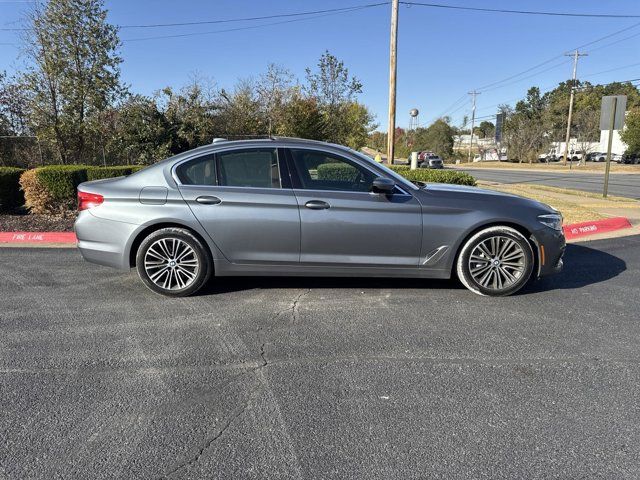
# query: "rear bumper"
{"type": "Point", "coordinates": [104, 241]}
{"type": "Point", "coordinates": [551, 245]}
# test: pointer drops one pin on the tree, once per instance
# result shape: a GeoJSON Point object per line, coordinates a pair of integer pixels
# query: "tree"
{"type": "Point", "coordinates": [631, 134]}
{"type": "Point", "coordinates": [301, 117]}
{"type": "Point", "coordinates": [141, 132]}
{"type": "Point", "coordinates": [485, 129]}
{"type": "Point", "coordinates": [274, 89]}
{"type": "Point", "coordinates": [73, 72]}
{"type": "Point", "coordinates": [438, 138]}
{"type": "Point", "coordinates": [335, 91]}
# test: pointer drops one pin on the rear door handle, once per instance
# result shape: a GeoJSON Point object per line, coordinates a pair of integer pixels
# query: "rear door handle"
{"type": "Point", "coordinates": [317, 205]}
{"type": "Point", "coordinates": [208, 200]}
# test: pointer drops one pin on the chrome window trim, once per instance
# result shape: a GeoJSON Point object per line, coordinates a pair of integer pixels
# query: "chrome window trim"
{"type": "Point", "coordinates": [337, 150]}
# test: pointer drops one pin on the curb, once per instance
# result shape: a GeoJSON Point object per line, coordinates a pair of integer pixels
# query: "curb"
{"type": "Point", "coordinates": [577, 230]}
{"type": "Point", "coordinates": [37, 237]}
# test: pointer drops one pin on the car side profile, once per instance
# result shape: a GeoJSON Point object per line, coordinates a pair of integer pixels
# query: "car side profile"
{"type": "Point", "coordinates": [283, 206]}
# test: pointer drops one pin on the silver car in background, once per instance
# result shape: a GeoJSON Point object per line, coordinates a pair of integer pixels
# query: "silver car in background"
{"type": "Point", "coordinates": [285, 206]}
{"type": "Point", "coordinates": [432, 161]}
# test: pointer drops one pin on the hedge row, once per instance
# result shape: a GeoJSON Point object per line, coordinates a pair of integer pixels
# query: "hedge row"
{"type": "Point", "coordinates": [343, 172]}
{"type": "Point", "coordinates": [435, 176]}
{"type": "Point", "coordinates": [337, 172]}
{"type": "Point", "coordinates": [52, 189]}
{"type": "Point", "coordinates": [11, 196]}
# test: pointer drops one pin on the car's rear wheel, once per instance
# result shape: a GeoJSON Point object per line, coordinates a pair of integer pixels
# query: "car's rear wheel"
{"type": "Point", "coordinates": [173, 262]}
{"type": "Point", "coordinates": [496, 261]}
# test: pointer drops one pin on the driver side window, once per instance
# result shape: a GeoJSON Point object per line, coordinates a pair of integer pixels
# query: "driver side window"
{"type": "Point", "coordinates": [324, 171]}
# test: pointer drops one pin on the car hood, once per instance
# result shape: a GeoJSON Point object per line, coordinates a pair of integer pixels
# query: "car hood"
{"type": "Point", "coordinates": [466, 191]}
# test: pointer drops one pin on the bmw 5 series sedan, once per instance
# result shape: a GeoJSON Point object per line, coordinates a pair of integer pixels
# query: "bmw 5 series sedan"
{"type": "Point", "coordinates": [294, 207]}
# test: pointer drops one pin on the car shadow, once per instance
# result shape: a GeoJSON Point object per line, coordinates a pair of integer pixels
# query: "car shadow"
{"type": "Point", "coordinates": [235, 284]}
{"type": "Point", "coordinates": [582, 266]}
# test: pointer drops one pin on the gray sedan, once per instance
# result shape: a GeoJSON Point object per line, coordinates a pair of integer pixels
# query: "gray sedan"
{"type": "Point", "coordinates": [284, 206]}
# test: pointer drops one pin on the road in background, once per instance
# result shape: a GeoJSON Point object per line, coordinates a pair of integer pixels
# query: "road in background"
{"type": "Point", "coordinates": [319, 378]}
{"type": "Point", "coordinates": [620, 184]}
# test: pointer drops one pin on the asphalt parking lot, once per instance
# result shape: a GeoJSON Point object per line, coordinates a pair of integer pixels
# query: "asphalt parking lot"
{"type": "Point", "coordinates": [621, 184]}
{"type": "Point", "coordinates": [331, 378]}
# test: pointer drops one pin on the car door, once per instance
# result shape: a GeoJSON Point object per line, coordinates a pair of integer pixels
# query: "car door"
{"type": "Point", "coordinates": [241, 200]}
{"type": "Point", "coordinates": [342, 222]}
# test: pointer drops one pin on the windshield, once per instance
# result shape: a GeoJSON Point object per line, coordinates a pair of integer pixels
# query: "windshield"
{"type": "Point", "coordinates": [399, 178]}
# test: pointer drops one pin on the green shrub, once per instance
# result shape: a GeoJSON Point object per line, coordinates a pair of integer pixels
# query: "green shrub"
{"type": "Point", "coordinates": [98, 173]}
{"type": "Point", "coordinates": [438, 176]}
{"type": "Point", "coordinates": [11, 196]}
{"type": "Point", "coordinates": [52, 189]}
{"type": "Point", "coordinates": [337, 172]}
{"type": "Point", "coordinates": [343, 172]}
{"type": "Point", "coordinates": [61, 181]}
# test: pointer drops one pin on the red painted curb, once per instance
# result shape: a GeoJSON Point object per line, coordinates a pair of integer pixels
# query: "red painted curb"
{"type": "Point", "coordinates": [37, 237]}
{"type": "Point", "coordinates": [583, 229]}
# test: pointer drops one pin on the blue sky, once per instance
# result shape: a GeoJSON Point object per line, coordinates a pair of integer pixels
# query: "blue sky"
{"type": "Point", "coordinates": [442, 54]}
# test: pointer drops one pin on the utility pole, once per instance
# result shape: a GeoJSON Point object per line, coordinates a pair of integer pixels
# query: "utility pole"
{"type": "Point", "coordinates": [575, 56]}
{"type": "Point", "coordinates": [473, 121]}
{"type": "Point", "coordinates": [391, 132]}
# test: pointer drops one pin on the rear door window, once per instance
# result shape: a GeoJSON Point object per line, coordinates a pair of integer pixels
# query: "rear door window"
{"type": "Point", "coordinates": [200, 171]}
{"type": "Point", "coordinates": [256, 168]}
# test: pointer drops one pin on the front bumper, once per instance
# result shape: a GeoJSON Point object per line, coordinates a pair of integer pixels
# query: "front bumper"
{"type": "Point", "coordinates": [551, 245]}
{"type": "Point", "coordinates": [104, 241]}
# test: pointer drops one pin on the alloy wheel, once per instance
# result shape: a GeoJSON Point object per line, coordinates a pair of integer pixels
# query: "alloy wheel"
{"type": "Point", "coordinates": [497, 262]}
{"type": "Point", "coordinates": [171, 264]}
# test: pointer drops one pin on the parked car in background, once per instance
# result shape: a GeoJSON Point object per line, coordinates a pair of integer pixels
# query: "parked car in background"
{"type": "Point", "coordinates": [595, 157]}
{"type": "Point", "coordinates": [631, 159]}
{"type": "Point", "coordinates": [431, 161]}
{"type": "Point", "coordinates": [574, 156]}
{"type": "Point", "coordinates": [284, 206]}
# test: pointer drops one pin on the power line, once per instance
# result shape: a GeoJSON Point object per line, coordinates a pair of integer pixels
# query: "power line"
{"type": "Point", "coordinates": [233, 20]}
{"type": "Point", "coordinates": [560, 64]}
{"type": "Point", "coordinates": [611, 70]}
{"type": "Point", "coordinates": [520, 12]}
{"type": "Point", "coordinates": [237, 29]}
{"type": "Point", "coordinates": [249, 19]}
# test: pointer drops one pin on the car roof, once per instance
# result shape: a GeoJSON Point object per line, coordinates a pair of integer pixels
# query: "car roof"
{"type": "Point", "coordinates": [277, 141]}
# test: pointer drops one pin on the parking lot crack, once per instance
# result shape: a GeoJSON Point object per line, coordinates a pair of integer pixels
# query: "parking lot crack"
{"type": "Point", "coordinates": [293, 308]}
{"type": "Point", "coordinates": [237, 413]}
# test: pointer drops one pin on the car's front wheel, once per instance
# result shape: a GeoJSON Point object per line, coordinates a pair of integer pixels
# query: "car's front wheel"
{"type": "Point", "coordinates": [496, 261]}
{"type": "Point", "coordinates": [173, 262]}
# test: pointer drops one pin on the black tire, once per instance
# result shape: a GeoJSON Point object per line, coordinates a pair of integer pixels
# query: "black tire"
{"type": "Point", "coordinates": [189, 272]}
{"type": "Point", "coordinates": [508, 277]}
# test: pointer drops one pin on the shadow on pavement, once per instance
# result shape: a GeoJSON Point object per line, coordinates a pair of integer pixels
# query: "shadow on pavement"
{"type": "Point", "coordinates": [234, 284]}
{"type": "Point", "coordinates": [582, 266]}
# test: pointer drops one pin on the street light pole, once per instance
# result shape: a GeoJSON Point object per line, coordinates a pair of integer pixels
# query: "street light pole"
{"type": "Point", "coordinates": [391, 131]}
{"type": "Point", "coordinates": [575, 55]}
{"type": "Point", "coordinates": [473, 121]}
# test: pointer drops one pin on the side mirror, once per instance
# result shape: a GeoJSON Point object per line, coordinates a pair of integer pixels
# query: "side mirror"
{"type": "Point", "coordinates": [383, 185]}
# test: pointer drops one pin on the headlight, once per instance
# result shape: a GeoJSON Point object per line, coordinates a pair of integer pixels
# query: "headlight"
{"type": "Point", "coordinates": [551, 220]}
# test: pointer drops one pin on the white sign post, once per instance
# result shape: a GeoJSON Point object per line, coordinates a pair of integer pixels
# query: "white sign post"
{"type": "Point", "coordinates": [611, 118]}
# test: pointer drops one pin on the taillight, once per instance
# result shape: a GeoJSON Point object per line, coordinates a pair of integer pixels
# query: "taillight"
{"type": "Point", "coordinates": [88, 200]}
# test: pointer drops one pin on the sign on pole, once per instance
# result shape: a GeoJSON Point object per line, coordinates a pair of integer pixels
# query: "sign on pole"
{"type": "Point", "coordinates": [499, 126]}
{"type": "Point", "coordinates": [605, 111]}
{"type": "Point", "coordinates": [611, 118]}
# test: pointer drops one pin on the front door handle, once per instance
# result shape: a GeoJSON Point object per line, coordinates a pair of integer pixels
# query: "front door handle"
{"type": "Point", "coordinates": [208, 200]}
{"type": "Point", "coordinates": [317, 205]}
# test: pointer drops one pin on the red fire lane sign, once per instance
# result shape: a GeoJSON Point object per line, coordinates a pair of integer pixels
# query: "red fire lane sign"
{"type": "Point", "coordinates": [583, 229]}
{"type": "Point", "coordinates": [37, 237]}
